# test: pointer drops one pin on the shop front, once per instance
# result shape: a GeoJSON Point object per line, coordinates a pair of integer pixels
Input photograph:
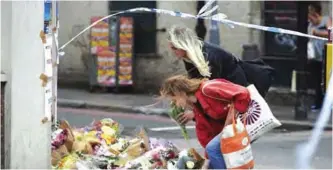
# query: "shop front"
{"type": "Point", "coordinates": [281, 50]}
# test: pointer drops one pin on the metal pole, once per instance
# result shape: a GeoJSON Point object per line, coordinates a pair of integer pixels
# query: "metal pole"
{"type": "Point", "coordinates": [200, 28]}
{"type": "Point", "coordinates": [301, 86]}
{"type": "Point", "coordinates": [54, 60]}
{"type": "Point", "coordinates": [214, 31]}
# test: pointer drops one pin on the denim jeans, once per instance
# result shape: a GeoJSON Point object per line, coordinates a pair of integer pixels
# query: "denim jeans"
{"type": "Point", "coordinates": [214, 153]}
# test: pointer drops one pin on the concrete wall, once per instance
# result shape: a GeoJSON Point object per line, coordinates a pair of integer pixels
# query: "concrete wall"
{"type": "Point", "coordinates": [151, 71]}
{"type": "Point", "coordinates": [233, 39]}
{"type": "Point", "coordinates": [6, 25]}
{"type": "Point", "coordinates": [75, 16]}
{"type": "Point", "coordinates": [5, 36]}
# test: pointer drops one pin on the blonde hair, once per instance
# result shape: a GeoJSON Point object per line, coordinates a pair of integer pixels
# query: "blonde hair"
{"type": "Point", "coordinates": [185, 39]}
{"type": "Point", "coordinates": [179, 85]}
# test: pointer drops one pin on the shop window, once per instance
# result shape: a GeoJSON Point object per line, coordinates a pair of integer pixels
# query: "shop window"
{"type": "Point", "coordinates": [281, 14]}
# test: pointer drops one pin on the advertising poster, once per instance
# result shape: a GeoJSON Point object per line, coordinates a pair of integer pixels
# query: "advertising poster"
{"type": "Point", "coordinates": [106, 67]}
{"type": "Point", "coordinates": [47, 15]}
{"type": "Point", "coordinates": [99, 36]}
{"type": "Point", "coordinates": [104, 51]}
{"type": "Point", "coordinates": [125, 51]}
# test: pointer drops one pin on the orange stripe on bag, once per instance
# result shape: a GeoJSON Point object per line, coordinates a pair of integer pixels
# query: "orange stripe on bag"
{"type": "Point", "coordinates": [235, 143]}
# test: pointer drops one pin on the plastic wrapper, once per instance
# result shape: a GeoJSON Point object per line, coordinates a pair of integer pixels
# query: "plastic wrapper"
{"type": "Point", "coordinates": [68, 162]}
{"type": "Point", "coordinates": [155, 143]}
{"type": "Point", "coordinates": [86, 165]}
{"type": "Point", "coordinates": [58, 154]}
{"type": "Point", "coordinates": [190, 159]}
{"type": "Point", "coordinates": [118, 128]}
{"type": "Point", "coordinates": [69, 140]}
{"type": "Point", "coordinates": [58, 143]}
{"type": "Point", "coordinates": [157, 158]}
{"type": "Point", "coordinates": [102, 162]}
{"type": "Point", "coordinates": [119, 146]}
{"type": "Point", "coordinates": [58, 138]}
{"type": "Point", "coordinates": [83, 147]}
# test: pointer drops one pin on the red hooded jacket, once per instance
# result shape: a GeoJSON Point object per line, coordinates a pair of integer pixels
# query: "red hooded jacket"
{"type": "Point", "coordinates": [215, 97]}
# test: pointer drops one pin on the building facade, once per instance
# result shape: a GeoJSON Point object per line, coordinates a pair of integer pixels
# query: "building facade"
{"type": "Point", "coordinates": [153, 62]}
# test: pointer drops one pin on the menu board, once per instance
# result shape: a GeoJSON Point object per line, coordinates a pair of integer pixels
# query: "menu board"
{"type": "Point", "coordinates": [99, 35]}
{"type": "Point", "coordinates": [125, 51]}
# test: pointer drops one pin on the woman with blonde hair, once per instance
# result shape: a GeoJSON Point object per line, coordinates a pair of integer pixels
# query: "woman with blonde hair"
{"type": "Point", "coordinates": [210, 101]}
{"type": "Point", "coordinates": [205, 60]}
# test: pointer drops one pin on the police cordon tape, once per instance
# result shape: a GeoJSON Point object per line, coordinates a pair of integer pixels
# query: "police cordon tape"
{"type": "Point", "coordinates": [217, 17]}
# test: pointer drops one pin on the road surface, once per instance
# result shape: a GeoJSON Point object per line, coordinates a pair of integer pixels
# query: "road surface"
{"type": "Point", "coordinates": [275, 150]}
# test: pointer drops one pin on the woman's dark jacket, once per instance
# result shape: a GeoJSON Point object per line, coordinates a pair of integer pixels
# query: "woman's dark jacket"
{"type": "Point", "coordinates": [226, 66]}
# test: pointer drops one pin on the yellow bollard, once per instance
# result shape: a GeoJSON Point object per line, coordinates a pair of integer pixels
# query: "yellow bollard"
{"type": "Point", "coordinates": [328, 64]}
{"type": "Point", "coordinates": [328, 61]}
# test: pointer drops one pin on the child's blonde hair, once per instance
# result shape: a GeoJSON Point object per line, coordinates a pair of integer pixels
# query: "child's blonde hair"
{"type": "Point", "coordinates": [185, 39]}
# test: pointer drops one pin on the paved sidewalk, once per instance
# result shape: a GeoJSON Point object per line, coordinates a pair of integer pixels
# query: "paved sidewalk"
{"type": "Point", "coordinates": [138, 103]}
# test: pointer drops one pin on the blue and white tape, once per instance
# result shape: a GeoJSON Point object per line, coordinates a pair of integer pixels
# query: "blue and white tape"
{"type": "Point", "coordinates": [222, 18]}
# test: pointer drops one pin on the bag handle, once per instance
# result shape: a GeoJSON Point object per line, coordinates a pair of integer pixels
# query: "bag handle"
{"type": "Point", "coordinates": [231, 118]}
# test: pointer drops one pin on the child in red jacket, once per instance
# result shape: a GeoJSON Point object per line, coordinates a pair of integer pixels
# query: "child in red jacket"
{"type": "Point", "coordinates": [210, 101]}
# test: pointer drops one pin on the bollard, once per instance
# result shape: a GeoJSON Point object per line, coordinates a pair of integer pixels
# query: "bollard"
{"type": "Point", "coordinates": [3, 83]}
{"type": "Point", "coordinates": [328, 61]}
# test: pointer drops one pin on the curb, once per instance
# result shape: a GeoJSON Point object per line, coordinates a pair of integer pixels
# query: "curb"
{"type": "Point", "coordinates": [120, 108]}
{"type": "Point", "coordinates": [286, 124]}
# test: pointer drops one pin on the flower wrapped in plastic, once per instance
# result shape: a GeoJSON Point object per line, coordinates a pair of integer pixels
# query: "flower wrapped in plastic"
{"type": "Point", "coordinates": [68, 162]}
{"type": "Point", "coordinates": [58, 147]}
{"type": "Point", "coordinates": [106, 130]}
{"type": "Point", "coordinates": [97, 161]}
{"type": "Point", "coordinates": [190, 159]}
{"type": "Point", "coordinates": [117, 127]}
{"type": "Point", "coordinates": [174, 113]}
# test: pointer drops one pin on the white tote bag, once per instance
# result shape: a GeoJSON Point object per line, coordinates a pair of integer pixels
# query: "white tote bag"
{"type": "Point", "coordinates": [259, 117]}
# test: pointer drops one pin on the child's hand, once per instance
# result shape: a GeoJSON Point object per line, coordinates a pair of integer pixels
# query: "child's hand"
{"type": "Point", "coordinates": [184, 118]}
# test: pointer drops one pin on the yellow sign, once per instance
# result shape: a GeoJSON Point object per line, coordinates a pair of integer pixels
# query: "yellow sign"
{"type": "Point", "coordinates": [329, 63]}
